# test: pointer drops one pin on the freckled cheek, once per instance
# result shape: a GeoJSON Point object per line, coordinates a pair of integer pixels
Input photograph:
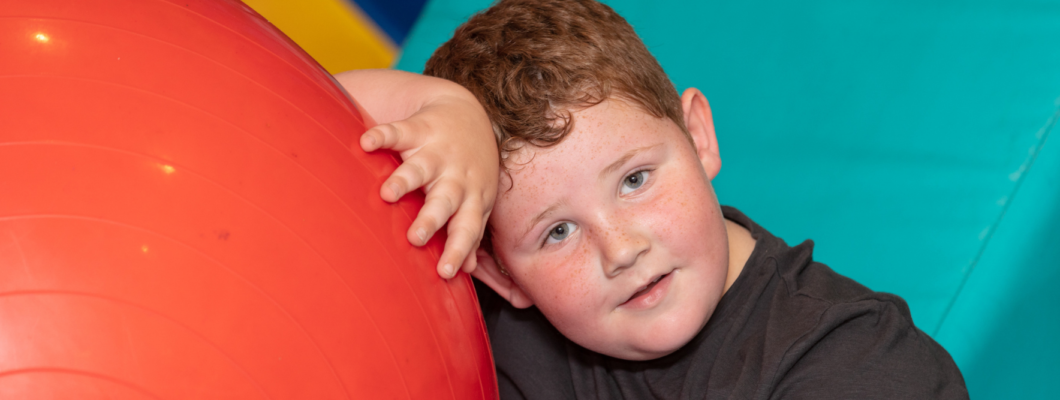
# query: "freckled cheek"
{"type": "Point", "coordinates": [566, 280]}
{"type": "Point", "coordinates": [681, 213]}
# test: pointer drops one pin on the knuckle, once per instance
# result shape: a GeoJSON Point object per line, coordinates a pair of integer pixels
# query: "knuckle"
{"type": "Point", "coordinates": [441, 200]}
{"type": "Point", "coordinates": [473, 206]}
{"type": "Point", "coordinates": [394, 134]}
{"type": "Point", "coordinates": [384, 130]}
{"type": "Point", "coordinates": [416, 167]}
{"type": "Point", "coordinates": [409, 173]}
{"type": "Point", "coordinates": [430, 220]}
{"type": "Point", "coordinates": [418, 123]}
{"type": "Point", "coordinates": [465, 234]}
{"type": "Point", "coordinates": [429, 161]}
{"type": "Point", "coordinates": [447, 202]}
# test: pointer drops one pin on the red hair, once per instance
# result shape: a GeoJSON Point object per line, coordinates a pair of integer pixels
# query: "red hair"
{"type": "Point", "coordinates": [532, 62]}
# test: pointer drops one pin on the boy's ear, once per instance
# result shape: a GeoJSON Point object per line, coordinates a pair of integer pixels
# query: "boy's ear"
{"type": "Point", "coordinates": [490, 273]}
{"type": "Point", "coordinates": [700, 126]}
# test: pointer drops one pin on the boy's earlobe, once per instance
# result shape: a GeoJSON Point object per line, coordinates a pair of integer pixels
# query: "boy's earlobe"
{"type": "Point", "coordinates": [491, 274]}
{"type": "Point", "coordinates": [700, 124]}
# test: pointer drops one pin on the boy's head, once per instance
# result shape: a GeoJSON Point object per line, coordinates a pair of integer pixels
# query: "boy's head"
{"type": "Point", "coordinates": [532, 62]}
{"type": "Point", "coordinates": [606, 221]}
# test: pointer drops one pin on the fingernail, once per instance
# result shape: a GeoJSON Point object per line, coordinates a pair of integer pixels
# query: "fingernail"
{"type": "Point", "coordinates": [423, 236]}
{"type": "Point", "coordinates": [394, 189]}
{"type": "Point", "coordinates": [448, 271]}
{"type": "Point", "coordinates": [371, 140]}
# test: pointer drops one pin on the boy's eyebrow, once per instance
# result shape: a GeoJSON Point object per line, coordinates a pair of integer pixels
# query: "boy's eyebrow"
{"type": "Point", "coordinates": [539, 217]}
{"type": "Point", "coordinates": [610, 168]}
{"type": "Point", "coordinates": [618, 163]}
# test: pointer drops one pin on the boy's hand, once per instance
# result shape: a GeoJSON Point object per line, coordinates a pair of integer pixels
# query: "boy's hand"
{"type": "Point", "coordinates": [447, 147]}
{"type": "Point", "coordinates": [445, 153]}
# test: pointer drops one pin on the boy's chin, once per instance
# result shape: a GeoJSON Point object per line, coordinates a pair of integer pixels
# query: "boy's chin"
{"type": "Point", "coordinates": [657, 346]}
{"type": "Point", "coordinates": [645, 354]}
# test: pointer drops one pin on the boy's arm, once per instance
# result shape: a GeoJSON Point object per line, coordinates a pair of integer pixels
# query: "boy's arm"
{"type": "Point", "coordinates": [447, 147]}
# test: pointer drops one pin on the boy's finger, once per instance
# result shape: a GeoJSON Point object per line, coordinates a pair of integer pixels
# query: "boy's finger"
{"type": "Point", "coordinates": [410, 175]}
{"type": "Point", "coordinates": [457, 248]}
{"type": "Point", "coordinates": [468, 223]}
{"type": "Point", "coordinates": [397, 136]}
{"type": "Point", "coordinates": [371, 139]}
{"type": "Point", "coordinates": [472, 261]}
{"type": "Point", "coordinates": [440, 204]}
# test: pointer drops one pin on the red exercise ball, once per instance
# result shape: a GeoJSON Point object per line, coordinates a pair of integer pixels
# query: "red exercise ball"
{"type": "Point", "coordinates": [184, 215]}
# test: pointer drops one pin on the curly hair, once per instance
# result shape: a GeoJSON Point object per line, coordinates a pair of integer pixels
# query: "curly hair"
{"type": "Point", "coordinates": [531, 63]}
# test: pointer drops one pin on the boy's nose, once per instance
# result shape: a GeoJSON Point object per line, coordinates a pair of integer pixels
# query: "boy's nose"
{"type": "Point", "coordinates": [622, 245]}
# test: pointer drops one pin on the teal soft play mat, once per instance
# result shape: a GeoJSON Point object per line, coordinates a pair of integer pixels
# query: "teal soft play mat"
{"type": "Point", "coordinates": [909, 139]}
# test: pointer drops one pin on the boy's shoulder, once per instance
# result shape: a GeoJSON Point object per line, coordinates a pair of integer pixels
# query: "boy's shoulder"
{"type": "Point", "coordinates": [806, 284]}
{"type": "Point", "coordinates": [784, 292]}
{"type": "Point", "coordinates": [819, 332]}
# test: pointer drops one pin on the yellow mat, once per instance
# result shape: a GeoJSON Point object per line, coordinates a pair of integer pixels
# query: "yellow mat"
{"type": "Point", "coordinates": [335, 32]}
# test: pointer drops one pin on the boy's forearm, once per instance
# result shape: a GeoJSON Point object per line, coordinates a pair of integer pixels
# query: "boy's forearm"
{"type": "Point", "coordinates": [391, 95]}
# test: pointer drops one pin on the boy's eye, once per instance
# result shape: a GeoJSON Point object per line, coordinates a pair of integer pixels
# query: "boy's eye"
{"type": "Point", "coordinates": [633, 181]}
{"type": "Point", "coordinates": [559, 232]}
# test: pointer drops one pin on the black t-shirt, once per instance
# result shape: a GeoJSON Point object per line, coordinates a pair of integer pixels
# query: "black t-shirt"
{"type": "Point", "coordinates": [788, 328]}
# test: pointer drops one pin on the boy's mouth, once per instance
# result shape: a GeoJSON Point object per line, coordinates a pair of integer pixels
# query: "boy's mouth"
{"type": "Point", "coordinates": [641, 296]}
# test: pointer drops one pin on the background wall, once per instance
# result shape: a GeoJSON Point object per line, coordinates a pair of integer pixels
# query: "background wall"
{"type": "Point", "coordinates": [344, 34]}
{"type": "Point", "coordinates": [909, 139]}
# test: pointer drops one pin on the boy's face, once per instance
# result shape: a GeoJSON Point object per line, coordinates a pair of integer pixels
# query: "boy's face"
{"type": "Point", "coordinates": [615, 233]}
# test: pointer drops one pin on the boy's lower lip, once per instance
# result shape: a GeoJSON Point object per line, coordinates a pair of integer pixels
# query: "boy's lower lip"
{"type": "Point", "coordinates": [650, 297]}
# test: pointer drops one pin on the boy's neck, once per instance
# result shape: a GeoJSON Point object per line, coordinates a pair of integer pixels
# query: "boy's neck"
{"type": "Point", "coordinates": [741, 244]}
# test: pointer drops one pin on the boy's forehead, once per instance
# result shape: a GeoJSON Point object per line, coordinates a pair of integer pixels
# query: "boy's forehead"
{"type": "Point", "coordinates": [599, 136]}
{"type": "Point", "coordinates": [600, 122]}
{"type": "Point", "coordinates": [520, 181]}
{"type": "Point", "coordinates": [604, 126]}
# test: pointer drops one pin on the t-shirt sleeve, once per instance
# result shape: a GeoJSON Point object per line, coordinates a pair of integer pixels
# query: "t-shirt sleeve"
{"type": "Point", "coordinates": [868, 349]}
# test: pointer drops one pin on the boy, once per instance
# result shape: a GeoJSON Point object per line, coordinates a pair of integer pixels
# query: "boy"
{"type": "Point", "coordinates": [606, 222]}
